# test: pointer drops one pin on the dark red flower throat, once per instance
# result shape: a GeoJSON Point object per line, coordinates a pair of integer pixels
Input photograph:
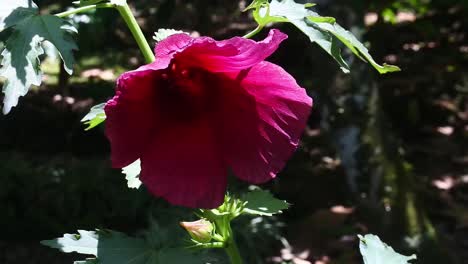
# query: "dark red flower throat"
{"type": "Point", "coordinates": [185, 93]}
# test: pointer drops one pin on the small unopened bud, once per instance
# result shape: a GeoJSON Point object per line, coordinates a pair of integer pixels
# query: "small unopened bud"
{"type": "Point", "coordinates": [200, 230]}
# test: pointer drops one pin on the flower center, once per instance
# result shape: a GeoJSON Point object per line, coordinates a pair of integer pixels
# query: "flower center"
{"type": "Point", "coordinates": [188, 81]}
{"type": "Point", "coordinates": [185, 93]}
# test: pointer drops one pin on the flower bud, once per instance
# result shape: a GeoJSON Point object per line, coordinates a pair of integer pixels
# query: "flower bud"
{"type": "Point", "coordinates": [199, 230]}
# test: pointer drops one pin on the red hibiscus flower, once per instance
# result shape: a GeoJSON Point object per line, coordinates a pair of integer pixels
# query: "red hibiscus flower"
{"type": "Point", "coordinates": [202, 108]}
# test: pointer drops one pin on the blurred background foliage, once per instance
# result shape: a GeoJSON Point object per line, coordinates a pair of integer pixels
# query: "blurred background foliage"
{"type": "Point", "coordinates": [382, 154]}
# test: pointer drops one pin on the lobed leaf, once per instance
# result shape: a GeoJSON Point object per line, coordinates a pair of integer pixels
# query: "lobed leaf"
{"type": "Point", "coordinates": [373, 251]}
{"type": "Point", "coordinates": [95, 116]}
{"type": "Point", "coordinates": [87, 261]}
{"type": "Point", "coordinates": [178, 255]}
{"type": "Point", "coordinates": [85, 242]}
{"type": "Point", "coordinates": [115, 247]}
{"type": "Point", "coordinates": [20, 65]}
{"type": "Point", "coordinates": [111, 247]}
{"type": "Point", "coordinates": [132, 173]}
{"type": "Point", "coordinates": [322, 30]}
{"type": "Point", "coordinates": [164, 33]}
{"type": "Point", "coordinates": [261, 202]}
{"type": "Point", "coordinates": [20, 72]}
{"type": "Point", "coordinates": [348, 39]}
{"type": "Point", "coordinates": [15, 10]}
{"type": "Point", "coordinates": [89, 2]}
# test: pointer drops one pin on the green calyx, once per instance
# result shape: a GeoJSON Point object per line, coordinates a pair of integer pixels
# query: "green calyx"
{"type": "Point", "coordinates": [214, 230]}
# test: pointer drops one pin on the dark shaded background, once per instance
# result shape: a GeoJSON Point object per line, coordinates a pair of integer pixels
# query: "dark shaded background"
{"type": "Point", "coordinates": [382, 154]}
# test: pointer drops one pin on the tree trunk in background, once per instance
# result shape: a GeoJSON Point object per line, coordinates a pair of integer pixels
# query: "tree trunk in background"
{"type": "Point", "coordinates": [63, 81]}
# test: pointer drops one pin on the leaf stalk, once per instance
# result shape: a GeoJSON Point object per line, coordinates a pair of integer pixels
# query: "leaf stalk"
{"type": "Point", "coordinates": [253, 32]}
{"type": "Point", "coordinates": [84, 9]}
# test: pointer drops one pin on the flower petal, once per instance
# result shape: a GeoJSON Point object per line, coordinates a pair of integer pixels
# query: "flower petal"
{"type": "Point", "coordinates": [183, 165]}
{"type": "Point", "coordinates": [218, 56]}
{"type": "Point", "coordinates": [266, 118]}
{"type": "Point", "coordinates": [131, 116]}
{"type": "Point", "coordinates": [250, 52]}
{"type": "Point", "coordinates": [221, 58]}
{"type": "Point", "coordinates": [167, 48]}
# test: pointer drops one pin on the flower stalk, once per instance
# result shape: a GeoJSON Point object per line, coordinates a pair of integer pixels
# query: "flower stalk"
{"type": "Point", "coordinates": [231, 248]}
{"type": "Point", "coordinates": [128, 17]}
{"type": "Point", "coordinates": [132, 24]}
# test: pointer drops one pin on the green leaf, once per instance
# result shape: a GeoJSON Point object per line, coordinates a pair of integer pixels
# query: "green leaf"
{"type": "Point", "coordinates": [111, 247]}
{"type": "Point", "coordinates": [178, 255]}
{"type": "Point", "coordinates": [132, 173]}
{"type": "Point", "coordinates": [163, 33]}
{"type": "Point", "coordinates": [353, 44]}
{"type": "Point", "coordinates": [87, 261]}
{"type": "Point", "coordinates": [256, 4]}
{"type": "Point", "coordinates": [20, 73]}
{"type": "Point", "coordinates": [115, 247]}
{"type": "Point", "coordinates": [309, 5]}
{"type": "Point", "coordinates": [374, 251]}
{"type": "Point", "coordinates": [260, 202]}
{"type": "Point", "coordinates": [322, 30]}
{"type": "Point", "coordinates": [319, 19]}
{"type": "Point", "coordinates": [261, 13]}
{"type": "Point", "coordinates": [89, 2]}
{"type": "Point", "coordinates": [118, 2]}
{"type": "Point", "coordinates": [20, 63]}
{"type": "Point", "coordinates": [95, 116]}
{"type": "Point", "coordinates": [85, 242]}
{"type": "Point", "coordinates": [9, 17]}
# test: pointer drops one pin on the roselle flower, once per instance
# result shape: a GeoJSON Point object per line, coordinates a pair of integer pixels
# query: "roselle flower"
{"type": "Point", "coordinates": [202, 108]}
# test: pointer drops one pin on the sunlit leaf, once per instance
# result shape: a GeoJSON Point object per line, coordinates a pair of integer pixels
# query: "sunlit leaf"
{"type": "Point", "coordinates": [24, 9]}
{"type": "Point", "coordinates": [87, 261]}
{"type": "Point", "coordinates": [20, 73]}
{"type": "Point", "coordinates": [89, 2]}
{"type": "Point", "coordinates": [256, 4]}
{"type": "Point", "coordinates": [163, 33]}
{"type": "Point", "coordinates": [95, 116]}
{"type": "Point", "coordinates": [85, 242]}
{"type": "Point", "coordinates": [374, 251]}
{"type": "Point", "coordinates": [261, 13]}
{"type": "Point", "coordinates": [132, 173]}
{"type": "Point", "coordinates": [20, 63]}
{"type": "Point", "coordinates": [353, 44]}
{"type": "Point", "coordinates": [261, 202]}
{"type": "Point", "coordinates": [322, 30]}
{"type": "Point", "coordinates": [111, 247]}
{"type": "Point", "coordinates": [118, 2]}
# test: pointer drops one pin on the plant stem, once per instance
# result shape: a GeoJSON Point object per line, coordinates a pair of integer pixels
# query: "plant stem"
{"type": "Point", "coordinates": [84, 9]}
{"type": "Point", "coordinates": [231, 248]}
{"type": "Point", "coordinates": [208, 245]}
{"type": "Point", "coordinates": [132, 24]}
{"type": "Point", "coordinates": [253, 32]}
{"type": "Point", "coordinates": [129, 19]}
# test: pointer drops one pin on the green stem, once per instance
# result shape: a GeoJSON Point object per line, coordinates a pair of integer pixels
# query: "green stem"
{"type": "Point", "coordinates": [84, 9]}
{"type": "Point", "coordinates": [129, 19]}
{"type": "Point", "coordinates": [231, 248]}
{"type": "Point", "coordinates": [253, 32]}
{"type": "Point", "coordinates": [207, 245]}
{"type": "Point", "coordinates": [132, 24]}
